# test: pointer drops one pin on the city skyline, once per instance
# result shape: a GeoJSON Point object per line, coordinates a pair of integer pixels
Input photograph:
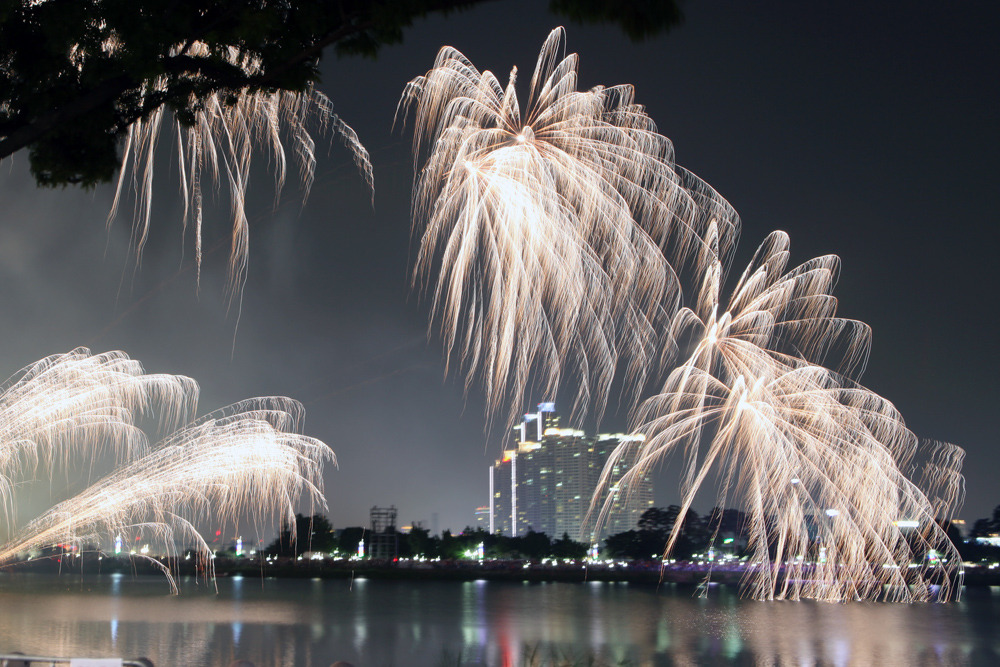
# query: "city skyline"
{"type": "Point", "coordinates": [550, 491]}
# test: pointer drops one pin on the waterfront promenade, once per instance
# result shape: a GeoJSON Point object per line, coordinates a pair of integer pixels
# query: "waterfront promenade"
{"type": "Point", "coordinates": [640, 571]}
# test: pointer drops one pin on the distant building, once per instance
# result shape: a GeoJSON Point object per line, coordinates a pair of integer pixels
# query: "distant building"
{"type": "Point", "coordinates": [628, 498]}
{"type": "Point", "coordinates": [483, 517]}
{"type": "Point", "coordinates": [546, 479]}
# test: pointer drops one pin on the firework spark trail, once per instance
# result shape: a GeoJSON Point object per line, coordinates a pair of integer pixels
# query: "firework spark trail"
{"type": "Point", "coordinates": [555, 233]}
{"type": "Point", "coordinates": [55, 406]}
{"type": "Point", "coordinates": [242, 461]}
{"type": "Point", "coordinates": [562, 243]}
{"type": "Point", "coordinates": [222, 139]}
{"type": "Point", "coordinates": [941, 478]}
{"type": "Point", "coordinates": [816, 459]}
{"type": "Point", "coordinates": [247, 462]}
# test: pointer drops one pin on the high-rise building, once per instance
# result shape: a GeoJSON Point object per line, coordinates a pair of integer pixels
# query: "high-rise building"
{"type": "Point", "coordinates": [629, 497]}
{"type": "Point", "coordinates": [546, 479]}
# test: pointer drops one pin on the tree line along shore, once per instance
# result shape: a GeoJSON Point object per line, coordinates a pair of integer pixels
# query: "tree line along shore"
{"type": "Point", "coordinates": [312, 548]}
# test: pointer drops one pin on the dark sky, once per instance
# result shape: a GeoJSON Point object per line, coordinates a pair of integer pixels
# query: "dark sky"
{"type": "Point", "coordinates": [868, 132]}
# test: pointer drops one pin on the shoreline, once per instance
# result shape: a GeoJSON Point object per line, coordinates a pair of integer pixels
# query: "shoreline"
{"type": "Point", "coordinates": [640, 572]}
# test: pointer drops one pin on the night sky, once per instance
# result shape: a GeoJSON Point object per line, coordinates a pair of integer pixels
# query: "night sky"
{"type": "Point", "coordinates": [868, 132]}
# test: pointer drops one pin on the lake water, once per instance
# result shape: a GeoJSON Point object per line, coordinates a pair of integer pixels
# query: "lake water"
{"type": "Point", "coordinates": [312, 623]}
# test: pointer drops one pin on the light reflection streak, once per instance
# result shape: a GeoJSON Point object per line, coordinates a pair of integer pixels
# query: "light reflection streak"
{"type": "Point", "coordinates": [642, 626]}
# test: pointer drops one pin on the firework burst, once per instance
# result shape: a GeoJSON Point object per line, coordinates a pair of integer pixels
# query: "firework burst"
{"type": "Point", "coordinates": [556, 232]}
{"type": "Point", "coordinates": [52, 407]}
{"type": "Point", "coordinates": [227, 129]}
{"type": "Point", "coordinates": [247, 462]}
{"type": "Point", "coordinates": [818, 461]}
{"type": "Point", "coordinates": [562, 239]}
{"type": "Point", "coordinates": [242, 462]}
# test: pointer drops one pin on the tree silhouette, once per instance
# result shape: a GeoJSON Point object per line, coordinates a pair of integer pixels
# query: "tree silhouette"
{"type": "Point", "coordinates": [76, 74]}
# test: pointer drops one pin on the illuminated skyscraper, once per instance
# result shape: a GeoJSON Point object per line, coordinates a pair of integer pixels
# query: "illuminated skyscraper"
{"type": "Point", "coordinates": [547, 476]}
{"type": "Point", "coordinates": [628, 501]}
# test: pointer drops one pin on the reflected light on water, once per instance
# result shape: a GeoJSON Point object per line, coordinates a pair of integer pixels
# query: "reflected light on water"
{"type": "Point", "coordinates": [296, 623]}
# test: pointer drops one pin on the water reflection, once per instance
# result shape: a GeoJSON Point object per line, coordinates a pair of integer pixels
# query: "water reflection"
{"type": "Point", "coordinates": [475, 635]}
{"type": "Point", "coordinates": [314, 623]}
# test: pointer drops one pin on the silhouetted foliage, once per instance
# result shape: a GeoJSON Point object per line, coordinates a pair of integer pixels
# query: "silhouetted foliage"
{"type": "Point", "coordinates": [981, 528]}
{"type": "Point", "coordinates": [658, 520]}
{"type": "Point", "coordinates": [349, 538]}
{"type": "Point", "coordinates": [75, 75]}
{"type": "Point", "coordinates": [697, 534]}
{"type": "Point", "coordinates": [976, 551]}
{"type": "Point", "coordinates": [638, 18]}
{"type": "Point", "coordinates": [418, 543]}
{"type": "Point", "coordinates": [567, 548]}
{"type": "Point", "coordinates": [532, 546]}
{"type": "Point", "coordinates": [535, 545]}
{"type": "Point", "coordinates": [987, 526]}
{"type": "Point", "coordinates": [312, 533]}
{"type": "Point", "coordinates": [635, 545]}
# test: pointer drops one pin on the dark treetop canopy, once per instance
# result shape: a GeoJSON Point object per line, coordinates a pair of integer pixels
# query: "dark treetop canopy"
{"type": "Point", "coordinates": [75, 74]}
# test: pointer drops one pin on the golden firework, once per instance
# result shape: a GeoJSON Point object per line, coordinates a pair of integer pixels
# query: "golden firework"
{"type": "Point", "coordinates": [554, 232]}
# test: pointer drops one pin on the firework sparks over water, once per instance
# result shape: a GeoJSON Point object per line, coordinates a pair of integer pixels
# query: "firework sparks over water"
{"type": "Point", "coordinates": [248, 462]}
{"type": "Point", "coordinates": [562, 240]}
{"type": "Point", "coordinates": [555, 232]}
{"type": "Point", "coordinates": [51, 408]}
{"type": "Point", "coordinates": [819, 463]}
